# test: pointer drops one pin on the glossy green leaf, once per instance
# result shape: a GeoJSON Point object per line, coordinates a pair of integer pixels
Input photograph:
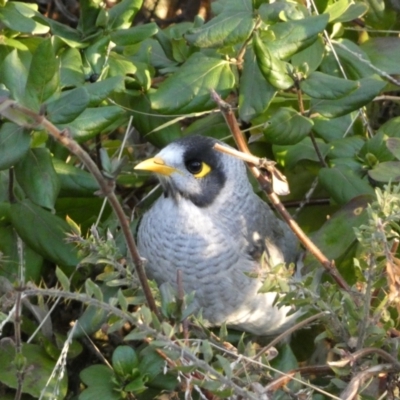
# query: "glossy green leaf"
{"type": "Point", "coordinates": [290, 156]}
{"type": "Point", "coordinates": [369, 88]}
{"type": "Point", "coordinates": [14, 144]}
{"type": "Point", "coordinates": [355, 10]}
{"type": "Point", "coordinates": [391, 127]}
{"type": "Point", "coordinates": [188, 90]}
{"type": "Point", "coordinates": [99, 91]}
{"type": "Point", "coordinates": [280, 11]}
{"type": "Point", "coordinates": [93, 121]}
{"type": "Point", "coordinates": [18, 17]}
{"type": "Point", "coordinates": [74, 181]}
{"type": "Point", "coordinates": [337, 9]}
{"type": "Point", "coordinates": [36, 175]}
{"type": "Point", "coordinates": [63, 279]}
{"type": "Point", "coordinates": [343, 184]}
{"type": "Point", "coordinates": [345, 147]}
{"type": "Point", "coordinates": [124, 360]}
{"type": "Point", "coordinates": [352, 58]}
{"type": "Point", "coordinates": [336, 236]}
{"type": "Point", "coordinates": [233, 25]}
{"type": "Point", "coordinates": [386, 171]}
{"type": "Point", "coordinates": [68, 106]}
{"type": "Point", "coordinates": [136, 34]}
{"type": "Point", "coordinates": [255, 93]}
{"type": "Point", "coordinates": [311, 55]}
{"type": "Point", "coordinates": [322, 86]}
{"type": "Point", "coordinates": [147, 120]}
{"type": "Point", "coordinates": [100, 382]}
{"type": "Point", "coordinates": [71, 68]}
{"type": "Point", "coordinates": [393, 144]}
{"type": "Point", "coordinates": [121, 14]}
{"type": "Point", "coordinates": [333, 128]}
{"type": "Point", "coordinates": [97, 54]}
{"type": "Point", "coordinates": [44, 232]}
{"type": "Point", "coordinates": [293, 36]}
{"type": "Point", "coordinates": [89, 11]}
{"type": "Point", "coordinates": [377, 147]}
{"type": "Point", "coordinates": [384, 53]}
{"type": "Point", "coordinates": [213, 125]}
{"type": "Point", "coordinates": [14, 73]}
{"type": "Point", "coordinates": [275, 71]}
{"type": "Point", "coordinates": [42, 82]}
{"type": "Point", "coordinates": [287, 126]}
{"type": "Point", "coordinates": [37, 371]}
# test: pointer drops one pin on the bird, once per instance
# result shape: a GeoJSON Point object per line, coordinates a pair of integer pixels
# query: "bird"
{"type": "Point", "coordinates": [210, 224]}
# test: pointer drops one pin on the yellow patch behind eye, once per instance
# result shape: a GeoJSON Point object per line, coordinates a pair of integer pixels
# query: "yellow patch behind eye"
{"type": "Point", "coordinates": [205, 169]}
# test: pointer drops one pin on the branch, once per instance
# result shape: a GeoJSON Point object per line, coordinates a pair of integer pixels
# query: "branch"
{"type": "Point", "coordinates": [20, 115]}
{"type": "Point", "coordinates": [265, 184]}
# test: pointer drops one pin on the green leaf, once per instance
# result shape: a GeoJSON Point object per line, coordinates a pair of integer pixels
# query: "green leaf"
{"type": "Point", "coordinates": [100, 382]}
{"type": "Point", "coordinates": [287, 126]}
{"type": "Point", "coordinates": [369, 88]}
{"type": "Point", "coordinates": [337, 235]}
{"type": "Point", "coordinates": [14, 73]}
{"type": "Point", "coordinates": [384, 53]}
{"type": "Point", "coordinates": [293, 36]}
{"type": "Point", "coordinates": [233, 25]}
{"type": "Point", "coordinates": [124, 360]}
{"type": "Point", "coordinates": [89, 11]}
{"type": "Point", "coordinates": [377, 147]}
{"type": "Point", "coordinates": [275, 71]}
{"type": "Point", "coordinates": [71, 68]}
{"type": "Point", "coordinates": [393, 144]}
{"type": "Point", "coordinates": [92, 289]}
{"type": "Point", "coordinates": [311, 55]}
{"type": "Point", "coordinates": [93, 121]}
{"type": "Point", "coordinates": [386, 171]}
{"type": "Point", "coordinates": [332, 129]}
{"type": "Point", "coordinates": [11, 257]}
{"type": "Point", "coordinates": [121, 15]}
{"type": "Point", "coordinates": [343, 184]}
{"type": "Point", "coordinates": [337, 9]}
{"type": "Point", "coordinates": [68, 106]}
{"type": "Point", "coordinates": [37, 370]}
{"type": "Point", "coordinates": [290, 156]}
{"type": "Point", "coordinates": [18, 17]}
{"type": "Point", "coordinates": [255, 93]}
{"type": "Point", "coordinates": [44, 232]}
{"type": "Point", "coordinates": [323, 86]}
{"type": "Point", "coordinates": [42, 82]}
{"type": "Point", "coordinates": [354, 11]}
{"type": "Point", "coordinates": [188, 90]}
{"type": "Point", "coordinates": [74, 181]}
{"type": "Point", "coordinates": [99, 91]}
{"type": "Point", "coordinates": [36, 175]}
{"type": "Point", "coordinates": [346, 147]}
{"type": "Point", "coordinates": [63, 279]}
{"type": "Point", "coordinates": [14, 144]}
{"type": "Point", "coordinates": [137, 34]}
{"type": "Point", "coordinates": [278, 11]}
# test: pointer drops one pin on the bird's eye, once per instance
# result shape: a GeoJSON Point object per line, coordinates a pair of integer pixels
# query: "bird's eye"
{"type": "Point", "coordinates": [197, 168]}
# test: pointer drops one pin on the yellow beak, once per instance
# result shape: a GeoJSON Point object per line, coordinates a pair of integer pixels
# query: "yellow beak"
{"type": "Point", "coordinates": [156, 165]}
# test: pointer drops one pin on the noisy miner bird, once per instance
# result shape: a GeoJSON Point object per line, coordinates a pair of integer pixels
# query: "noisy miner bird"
{"type": "Point", "coordinates": [212, 226]}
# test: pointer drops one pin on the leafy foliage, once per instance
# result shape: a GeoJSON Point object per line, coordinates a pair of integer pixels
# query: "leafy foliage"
{"type": "Point", "coordinates": [315, 89]}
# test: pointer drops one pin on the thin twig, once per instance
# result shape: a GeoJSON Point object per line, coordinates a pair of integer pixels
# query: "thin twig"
{"type": "Point", "coordinates": [266, 186]}
{"type": "Point", "coordinates": [8, 107]}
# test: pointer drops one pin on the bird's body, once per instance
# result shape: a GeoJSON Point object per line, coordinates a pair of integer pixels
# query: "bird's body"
{"type": "Point", "coordinates": [215, 229]}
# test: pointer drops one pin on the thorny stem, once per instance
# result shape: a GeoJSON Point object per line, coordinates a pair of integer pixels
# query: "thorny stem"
{"type": "Point", "coordinates": [143, 327]}
{"type": "Point", "coordinates": [106, 185]}
{"type": "Point", "coordinates": [266, 186]}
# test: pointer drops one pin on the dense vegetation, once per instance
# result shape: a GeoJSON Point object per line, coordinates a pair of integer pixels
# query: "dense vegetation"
{"type": "Point", "coordinates": [87, 89]}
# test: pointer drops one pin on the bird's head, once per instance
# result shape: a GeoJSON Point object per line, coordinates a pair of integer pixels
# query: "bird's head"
{"type": "Point", "coordinates": [190, 168]}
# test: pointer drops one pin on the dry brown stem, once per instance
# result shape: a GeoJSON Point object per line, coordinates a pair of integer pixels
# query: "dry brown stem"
{"type": "Point", "coordinates": [265, 184]}
{"type": "Point", "coordinates": [20, 114]}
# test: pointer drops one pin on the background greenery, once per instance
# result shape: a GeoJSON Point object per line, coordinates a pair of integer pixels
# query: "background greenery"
{"type": "Point", "coordinates": [314, 86]}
